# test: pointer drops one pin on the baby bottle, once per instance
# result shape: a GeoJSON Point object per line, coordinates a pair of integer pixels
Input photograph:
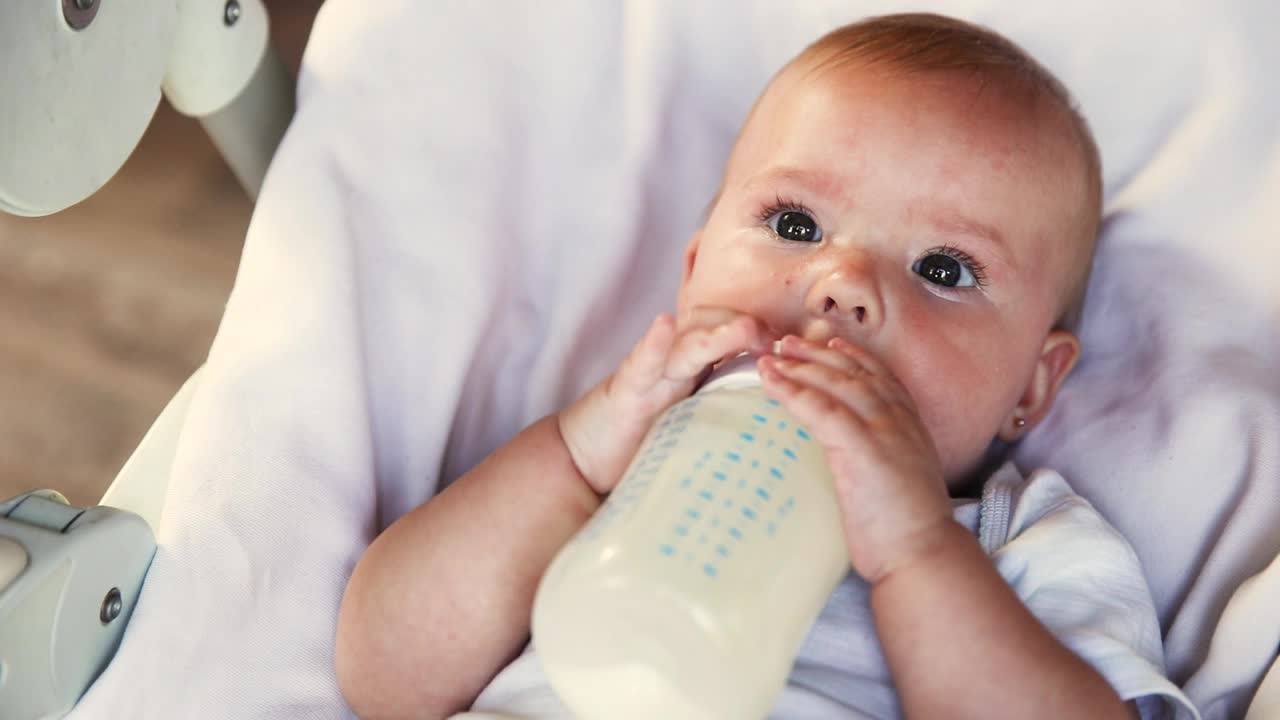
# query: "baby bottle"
{"type": "Point", "coordinates": [688, 594]}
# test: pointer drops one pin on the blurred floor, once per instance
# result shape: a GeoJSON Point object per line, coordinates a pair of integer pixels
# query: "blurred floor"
{"type": "Point", "coordinates": [107, 307]}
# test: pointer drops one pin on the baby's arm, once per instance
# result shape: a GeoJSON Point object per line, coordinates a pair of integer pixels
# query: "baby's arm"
{"type": "Point", "coordinates": [441, 600]}
{"type": "Point", "coordinates": [958, 641]}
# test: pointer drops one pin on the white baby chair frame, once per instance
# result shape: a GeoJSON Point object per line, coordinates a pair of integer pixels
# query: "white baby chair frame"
{"type": "Point", "coordinates": [70, 577]}
{"type": "Point", "coordinates": [245, 107]}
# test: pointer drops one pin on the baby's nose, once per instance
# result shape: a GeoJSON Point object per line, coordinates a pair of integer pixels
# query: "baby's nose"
{"type": "Point", "coordinates": [847, 295]}
{"type": "Point", "coordinates": [859, 311]}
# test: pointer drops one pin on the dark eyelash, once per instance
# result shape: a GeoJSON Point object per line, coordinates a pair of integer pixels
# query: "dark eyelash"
{"type": "Point", "coordinates": [978, 270]}
{"type": "Point", "coordinates": [781, 204]}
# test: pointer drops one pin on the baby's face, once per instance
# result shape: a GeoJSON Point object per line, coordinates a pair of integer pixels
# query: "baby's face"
{"type": "Point", "coordinates": [925, 218]}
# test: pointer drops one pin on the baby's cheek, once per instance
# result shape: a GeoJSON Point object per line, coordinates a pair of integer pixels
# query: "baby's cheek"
{"type": "Point", "coordinates": [960, 449]}
{"type": "Point", "coordinates": [766, 296]}
{"type": "Point", "coordinates": [957, 398]}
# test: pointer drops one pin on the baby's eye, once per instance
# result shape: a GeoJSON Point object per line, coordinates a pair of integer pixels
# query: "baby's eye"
{"type": "Point", "coordinates": [949, 268]}
{"type": "Point", "coordinates": [796, 225]}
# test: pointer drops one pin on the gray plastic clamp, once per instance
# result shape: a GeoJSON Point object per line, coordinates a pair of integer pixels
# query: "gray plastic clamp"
{"type": "Point", "coordinates": [69, 580]}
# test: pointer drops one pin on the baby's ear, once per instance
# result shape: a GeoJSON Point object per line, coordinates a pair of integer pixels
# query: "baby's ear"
{"type": "Point", "coordinates": [1059, 354]}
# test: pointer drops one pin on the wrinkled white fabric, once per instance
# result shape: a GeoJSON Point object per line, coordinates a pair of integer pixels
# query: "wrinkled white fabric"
{"type": "Point", "coordinates": [478, 208]}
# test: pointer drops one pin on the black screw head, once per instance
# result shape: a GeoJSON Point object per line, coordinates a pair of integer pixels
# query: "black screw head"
{"type": "Point", "coordinates": [231, 13]}
{"type": "Point", "coordinates": [78, 14]}
{"type": "Point", "coordinates": [112, 605]}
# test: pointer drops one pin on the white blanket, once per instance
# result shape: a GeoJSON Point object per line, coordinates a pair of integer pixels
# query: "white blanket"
{"type": "Point", "coordinates": [480, 205]}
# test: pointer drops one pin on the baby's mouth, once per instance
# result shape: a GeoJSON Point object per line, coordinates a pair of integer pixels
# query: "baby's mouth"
{"type": "Point", "coordinates": [772, 347]}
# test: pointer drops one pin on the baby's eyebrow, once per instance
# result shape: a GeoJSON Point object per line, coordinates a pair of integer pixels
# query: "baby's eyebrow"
{"type": "Point", "coordinates": [818, 182]}
{"type": "Point", "coordinates": [953, 222]}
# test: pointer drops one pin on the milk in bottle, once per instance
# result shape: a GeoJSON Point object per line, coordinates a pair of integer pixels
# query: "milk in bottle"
{"type": "Point", "coordinates": [688, 594]}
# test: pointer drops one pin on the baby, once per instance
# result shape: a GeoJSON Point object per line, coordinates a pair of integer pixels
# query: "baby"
{"type": "Point", "coordinates": [911, 208]}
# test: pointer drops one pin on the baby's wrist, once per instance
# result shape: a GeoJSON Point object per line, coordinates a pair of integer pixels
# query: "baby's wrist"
{"type": "Point", "coordinates": [912, 552]}
{"type": "Point", "coordinates": [601, 436]}
{"type": "Point", "coordinates": [574, 423]}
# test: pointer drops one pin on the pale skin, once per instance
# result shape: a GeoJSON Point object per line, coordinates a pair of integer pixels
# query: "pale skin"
{"type": "Point", "coordinates": [903, 379]}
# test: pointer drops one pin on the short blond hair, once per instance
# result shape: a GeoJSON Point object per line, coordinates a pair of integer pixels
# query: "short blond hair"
{"type": "Point", "coordinates": [929, 43]}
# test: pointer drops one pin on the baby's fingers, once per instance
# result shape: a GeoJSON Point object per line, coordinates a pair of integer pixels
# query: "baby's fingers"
{"type": "Point", "coordinates": [850, 359]}
{"type": "Point", "coordinates": [829, 418]}
{"type": "Point", "coordinates": [825, 390]}
{"type": "Point", "coordinates": [861, 356]}
{"type": "Point", "coordinates": [698, 348]}
{"type": "Point", "coordinates": [794, 347]}
{"type": "Point", "coordinates": [644, 367]}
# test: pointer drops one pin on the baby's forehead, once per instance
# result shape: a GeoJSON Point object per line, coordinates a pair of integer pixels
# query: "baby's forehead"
{"type": "Point", "coordinates": [990, 100]}
{"type": "Point", "coordinates": [999, 125]}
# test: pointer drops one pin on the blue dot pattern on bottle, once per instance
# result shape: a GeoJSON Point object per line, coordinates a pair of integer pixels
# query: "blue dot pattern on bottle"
{"type": "Point", "coordinates": [641, 473]}
{"type": "Point", "coordinates": [747, 482]}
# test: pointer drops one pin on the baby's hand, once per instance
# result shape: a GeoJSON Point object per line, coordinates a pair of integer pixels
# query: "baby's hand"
{"type": "Point", "coordinates": [888, 478]}
{"type": "Point", "coordinates": [604, 428]}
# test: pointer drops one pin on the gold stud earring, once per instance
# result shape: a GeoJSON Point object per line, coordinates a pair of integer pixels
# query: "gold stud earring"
{"type": "Point", "coordinates": [1019, 422]}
